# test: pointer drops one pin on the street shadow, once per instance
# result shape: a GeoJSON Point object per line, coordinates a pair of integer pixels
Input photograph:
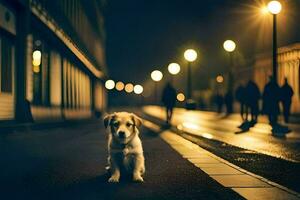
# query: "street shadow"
{"type": "Point", "coordinates": [97, 188]}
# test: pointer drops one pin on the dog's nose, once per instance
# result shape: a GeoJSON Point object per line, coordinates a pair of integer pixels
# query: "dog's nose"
{"type": "Point", "coordinates": [121, 134]}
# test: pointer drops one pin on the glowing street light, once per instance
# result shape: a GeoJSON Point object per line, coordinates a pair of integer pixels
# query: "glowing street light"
{"type": "Point", "coordinates": [174, 68]}
{"type": "Point", "coordinates": [156, 75]}
{"type": "Point", "coordinates": [129, 87]}
{"type": "Point", "coordinates": [229, 45]}
{"type": "Point", "coordinates": [138, 89]}
{"type": "Point", "coordinates": [109, 84]}
{"type": "Point", "coordinates": [190, 55]}
{"type": "Point", "coordinates": [120, 86]}
{"type": "Point", "coordinates": [274, 8]}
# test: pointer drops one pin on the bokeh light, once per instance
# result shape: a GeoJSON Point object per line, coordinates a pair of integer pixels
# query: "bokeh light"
{"type": "Point", "coordinates": [220, 79]}
{"type": "Point", "coordinates": [138, 89]}
{"type": "Point", "coordinates": [109, 84]}
{"type": "Point", "coordinates": [229, 45]}
{"type": "Point", "coordinates": [120, 86]}
{"type": "Point", "coordinates": [156, 75]}
{"type": "Point", "coordinates": [174, 68]}
{"type": "Point", "coordinates": [190, 55]}
{"type": "Point", "coordinates": [180, 97]}
{"type": "Point", "coordinates": [129, 87]}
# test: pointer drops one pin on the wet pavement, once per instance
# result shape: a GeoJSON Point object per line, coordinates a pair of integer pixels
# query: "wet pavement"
{"type": "Point", "coordinates": [276, 169]}
{"type": "Point", "coordinates": [212, 125]}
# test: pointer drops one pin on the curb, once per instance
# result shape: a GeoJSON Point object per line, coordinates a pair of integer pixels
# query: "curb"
{"type": "Point", "coordinates": [157, 128]}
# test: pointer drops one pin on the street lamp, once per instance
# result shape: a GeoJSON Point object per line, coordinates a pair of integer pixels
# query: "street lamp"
{"type": "Point", "coordinates": [274, 7]}
{"type": "Point", "coordinates": [120, 86]}
{"type": "Point", "coordinates": [109, 84]}
{"type": "Point", "coordinates": [230, 46]}
{"type": "Point", "coordinates": [156, 76]}
{"type": "Point", "coordinates": [190, 55]}
{"type": "Point", "coordinates": [129, 87]}
{"type": "Point", "coordinates": [173, 69]}
{"type": "Point", "coordinates": [138, 89]}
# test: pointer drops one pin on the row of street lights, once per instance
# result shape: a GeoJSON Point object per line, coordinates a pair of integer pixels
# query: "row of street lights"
{"type": "Point", "coordinates": [190, 55]}
{"type": "Point", "coordinates": [120, 86]}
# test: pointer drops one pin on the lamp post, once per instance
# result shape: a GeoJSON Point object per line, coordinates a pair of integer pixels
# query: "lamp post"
{"type": "Point", "coordinates": [173, 69]}
{"type": "Point", "coordinates": [156, 76]}
{"type": "Point", "coordinates": [274, 7]}
{"type": "Point", "coordinates": [190, 55]}
{"type": "Point", "coordinates": [138, 89]}
{"type": "Point", "coordinates": [230, 46]}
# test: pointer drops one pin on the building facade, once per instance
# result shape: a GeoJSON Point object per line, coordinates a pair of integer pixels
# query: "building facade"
{"type": "Point", "coordinates": [52, 59]}
{"type": "Point", "coordinates": [288, 66]}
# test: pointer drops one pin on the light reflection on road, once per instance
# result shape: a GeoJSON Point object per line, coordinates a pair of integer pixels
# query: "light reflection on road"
{"type": "Point", "coordinates": [213, 126]}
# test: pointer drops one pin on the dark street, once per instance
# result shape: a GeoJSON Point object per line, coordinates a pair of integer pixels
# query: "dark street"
{"type": "Point", "coordinates": [69, 163]}
{"type": "Point", "coordinates": [199, 99]}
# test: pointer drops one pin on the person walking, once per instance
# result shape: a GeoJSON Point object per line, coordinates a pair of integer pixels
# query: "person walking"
{"type": "Point", "coordinates": [169, 101]}
{"type": "Point", "coordinates": [240, 95]}
{"type": "Point", "coordinates": [253, 96]}
{"type": "Point", "coordinates": [271, 97]}
{"type": "Point", "coordinates": [228, 99]}
{"type": "Point", "coordinates": [219, 100]}
{"type": "Point", "coordinates": [286, 92]}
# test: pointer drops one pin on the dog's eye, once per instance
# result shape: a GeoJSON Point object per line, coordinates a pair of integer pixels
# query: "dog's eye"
{"type": "Point", "coordinates": [115, 124]}
{"type": "Point", "coordinates": [129, 124]}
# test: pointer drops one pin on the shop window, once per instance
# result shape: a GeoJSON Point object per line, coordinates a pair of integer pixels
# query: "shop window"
{"type": "Point", "coordinates": [6, 64]}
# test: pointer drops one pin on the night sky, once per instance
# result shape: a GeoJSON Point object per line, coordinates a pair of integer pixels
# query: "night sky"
{"type": "Point", "coordinates": [143, 35]}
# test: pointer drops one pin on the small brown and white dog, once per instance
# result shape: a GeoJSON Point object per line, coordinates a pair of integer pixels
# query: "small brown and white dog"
{"type": "Point", "coordinates": [125, 149]}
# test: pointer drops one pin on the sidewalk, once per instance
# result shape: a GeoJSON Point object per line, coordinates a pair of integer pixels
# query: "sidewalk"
{"type": "Point", "coordinates": [246, 184]}
{"type": "Point", "coordinates": [223, 128]}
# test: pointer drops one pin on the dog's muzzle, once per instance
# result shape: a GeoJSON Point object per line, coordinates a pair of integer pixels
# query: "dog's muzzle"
{"type": "Point", "coordinates": [121, 134]}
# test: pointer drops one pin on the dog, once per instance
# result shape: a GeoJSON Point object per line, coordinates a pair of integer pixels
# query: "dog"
{"type": "Point", "coordinates": [125, 151]}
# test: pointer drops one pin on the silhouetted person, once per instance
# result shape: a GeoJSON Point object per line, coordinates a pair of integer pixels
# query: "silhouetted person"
{"type": "Point", "coordinates": [253, 96]}
{"type": "Point", "coordinates": [286, 93]}
{"type": "Point", "coordinates": [240, 95]}
{"type": "Point", "coordinates": [271, 97]}
{"type": "Point", "coordinates": [169, 100]}
{"type": "Point", "coordinates": [219, 100]}
{"type": "Point", "coordinates": [228, 99]}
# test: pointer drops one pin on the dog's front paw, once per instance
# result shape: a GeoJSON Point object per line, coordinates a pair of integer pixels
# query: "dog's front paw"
{"type": "Point", "coordinates": [125, 151]}
{"type": "Point", "coordinates": [113, 179]}
{"type": "Point", "coordinates": [138, 178]}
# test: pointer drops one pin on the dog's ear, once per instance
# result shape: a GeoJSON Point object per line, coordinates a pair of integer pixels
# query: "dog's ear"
{"type": "Point", "coordinates": [106, 120]}
{"type": "Point", "coordinates": [137, 120]}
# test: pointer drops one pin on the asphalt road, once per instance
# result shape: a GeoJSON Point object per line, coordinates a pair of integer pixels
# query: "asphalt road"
{"type": "Point", "coordinates": [69, 163]}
